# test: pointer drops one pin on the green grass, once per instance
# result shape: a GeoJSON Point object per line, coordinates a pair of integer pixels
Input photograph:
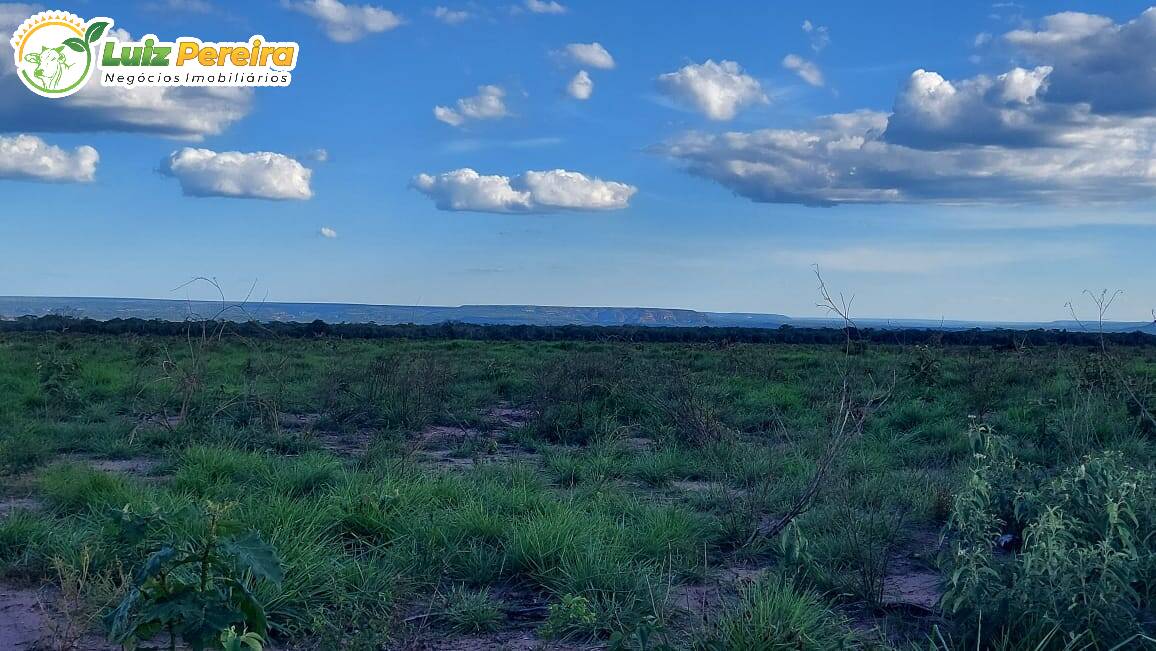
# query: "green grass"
{"type": "Point", "coordinates": [775, 615]}
{"type": "Point", "coordinates": [581, 509]}
{"type": "Point", "coordinates": [472, 611]}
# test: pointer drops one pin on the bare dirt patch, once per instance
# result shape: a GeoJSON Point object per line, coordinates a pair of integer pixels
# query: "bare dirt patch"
{"type": "Point", "coordinates": [21, 619]}
{"type": "Point", "coordinates": [638, 444]}
{"type": "Point", "coordinates": [139, 468]}
{"type": "Point", "coordinates": [912, 582]}
{"type": "Point", "coordinates": [462, 448]}
{"type": "Point", "coordinates": [697, 486]}
{"type": "Point", "coordinates": [510, 417]}
{"type": "Point", "coordinates": [700, 601]}
{"type": "Point", "coordinates": [8, 505]}
{"type": "Point", "coordinates": [525, 610]}
{"type": "Point", "coordinates": [346, 444]}
{"type": "Point", "coordinates": [297, 422]}
{"type": "Point", "coordinates": [343, 444]}
{"type": "Point", "coordinates": [501, 641]}
{"type": "Point", "coordinates": [442, 437]}
{"type": "Point", "coordinates": [502, 454]}
{"type": "Point", "coordinates": [27, 623]}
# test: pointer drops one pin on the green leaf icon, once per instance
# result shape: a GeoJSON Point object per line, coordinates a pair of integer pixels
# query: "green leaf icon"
{"type": "Point", "coordinates": [95, 31]}
{"type": "Point", "coordinates": [76, 44]}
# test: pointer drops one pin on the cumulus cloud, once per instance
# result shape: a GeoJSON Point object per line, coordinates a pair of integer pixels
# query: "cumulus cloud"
{"type": "Point", "coordinates": [717, 90]}
{"type": "Point", "coordinates": [344, 23]}
{"type": "Point", "coordinates": [581, 86]}
{"type": "Point", "coordinates": [328, 233]}
{"type": "Point", "coordinates": [575, 191]}
{"type": "Point", "coordinates": [592, 55]}
{"type": "Point", "coordinates": [488, 104]}
{"type": "Point", "coordinates": [544, 7]}
{"type": "Point", "coordinates": [844, 159]}
{"type": "Point", "coordinates": [820, 37]}
{"type": "Point", "coordinates": [931, 112]}
{"type": "Point", "coordinates": [548, 191]}
{"type": "Point", "coordinates": [808, 71]}
{"type": "Point", "coordinates": [29, 158]}
{"type": "Point", "coordinates": [1077, 126]}
{"type": "Point", "coordinates": [1110, 66]}
{"type": "Point", "coordinates": [187, 113]}
{"type": "Point", "coordinates": [258, 175]}
{"type": "Point", "coordinates": [451, 16]}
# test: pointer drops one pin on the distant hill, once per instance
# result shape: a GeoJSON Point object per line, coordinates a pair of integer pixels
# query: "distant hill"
{"type": "Point", "coordinates": [104, 309]}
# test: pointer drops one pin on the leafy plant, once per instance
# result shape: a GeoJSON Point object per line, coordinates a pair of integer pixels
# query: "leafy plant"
{"type": "Point", "coordinates": [1085, 569]}
{"type": "Point", "coordinates": [232, 641]}
{"type": "Point", "coordinates": [572, 616]}
{"type": "Point", "coordinates": [923, 367]}
{"type": "Point", "coordinates": [648, 635]}
{"type": "Point", "coordinates": [57, 374]}
{"type": "Point", "coordinates": [194, 589]}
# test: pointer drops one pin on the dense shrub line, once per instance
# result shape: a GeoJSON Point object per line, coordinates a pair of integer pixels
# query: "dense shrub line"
{"type": "Point", "coordinates": [1000, 338]}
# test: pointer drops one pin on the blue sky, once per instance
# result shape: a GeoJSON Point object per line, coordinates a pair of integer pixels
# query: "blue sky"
{"type": "Point", "coordinates": [703, 170]}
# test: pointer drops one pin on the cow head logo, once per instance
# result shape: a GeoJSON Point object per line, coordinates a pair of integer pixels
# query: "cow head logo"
{"type": "Point", "coordinates": [55, 52]}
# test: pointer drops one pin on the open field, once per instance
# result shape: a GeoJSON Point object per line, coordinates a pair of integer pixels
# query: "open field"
{"type": "Point", "coordinates": [487, 495]}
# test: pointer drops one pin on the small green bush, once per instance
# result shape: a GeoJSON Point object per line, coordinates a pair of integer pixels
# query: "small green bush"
{"type": "Point", "coordinates": [774, 615]}
{"type": "Point", "coordinates": [1086, 570]}
{"type": "Point", "coordinates": [472, 611]}
{"type": "Point", "coordinates": [572, 616]}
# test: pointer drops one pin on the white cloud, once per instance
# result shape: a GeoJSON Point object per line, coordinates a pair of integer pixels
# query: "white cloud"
{"type": "Point", "coordinates": [592, 55]}
{"type": "Point", "coordinates": [1110, 66]}
{"type": "Point", "coordinates": [29, 158]}
{"type": "Point", "coordinates": [1063, 29]}
{"type": "Point", "coordinates": [820, 38]}
{"type": "Point", "coordinates": [845, 159]}
{"type": "Point", "coordinates": [544, 7]}
{"type": "Point", "coordinates": [581, 86]}
{"type": "Point", "coordinates": [549, 191]}
{"type": "Point", "coordinates": [808, 71]}
{"type": "Point", "coordinates": [465, 189]}
{"type": "Point", "coordinates": [321, 155]}
{"type": "Point", "coordinates": [1077, 127]}
{"type": "Point", "coordinates": [717, 90]}
{"type": "Point", "coordinates": [449, 116]}
{"type": "Point", "coordinates": [488, 104]}
{"type": "Point", "coordinates": [258, 175]}
{"type": "Point", "coordinates": [575, 191]}
{"type": "Point", "coordinates": [328, 233]}
{"type": "Point", "coordinates": [347, 23]}
{"type": "Point", "coordinates": [187, 113]}
{"type": "Point", "coordinates": [932, 112]}
{"type": "Point", "coordinates": [451, 16]}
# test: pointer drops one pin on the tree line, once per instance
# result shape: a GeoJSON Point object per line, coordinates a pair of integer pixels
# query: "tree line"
{"type": "Point", "coordinates": [999, 338]}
